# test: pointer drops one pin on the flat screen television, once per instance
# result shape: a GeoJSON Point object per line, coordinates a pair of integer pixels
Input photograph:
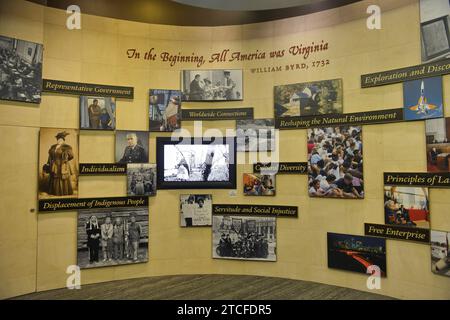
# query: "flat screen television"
{"type": "Point", "coordinates": [196, 163]}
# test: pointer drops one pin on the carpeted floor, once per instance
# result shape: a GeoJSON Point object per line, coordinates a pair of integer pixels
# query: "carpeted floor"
{"type": "Point", "coordinates": [207, 287]}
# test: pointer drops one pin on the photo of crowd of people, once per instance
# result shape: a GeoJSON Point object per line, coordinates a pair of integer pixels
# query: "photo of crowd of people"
{"type": "Point", "coordinates": [165, 110]}
{"type": "Point", "coordinates": [20, 70]}
{"type": "Point", "coordinates": [259, 184]}
{"type": "Point", "coordinates": [335, 162]}
{"type": "Point", "coordinates": [255, 135]}
{"type": "Point", "coordinates": [406, 206]}
{"type": "Point", "coordinates": [109, 237]}
{"type": "Point", "coordinates": [440, 252]}
{"type": "Point", "coordinates": [132, 146]}
{"type": "Point", "coordinates": [244, 238]}
{"type": "Point", "coordinates": [58, 163]}
{"type": "Point", "coordinates": [308, 99]}
{"type": "Point", "coordinates": [197, 162]}
{"type": "Point", "coordinates": [195, 210]}
{"type": "Point", "coordinates": [212, 85]}
{"type": "Point", "coordinates": [141, 179]}
{"type": "Point", "coordinates": [97, 113]}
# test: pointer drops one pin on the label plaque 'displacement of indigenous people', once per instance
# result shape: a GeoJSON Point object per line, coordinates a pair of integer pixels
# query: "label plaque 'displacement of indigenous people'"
{"type": "Point", "coordinates": [256, 210]}
{"type": "Point", "coordinates": [50, 205]}
{"type": "Point", "coordinates": [420, 71]}
{"type": "Point", "coordinates": [87, 89]}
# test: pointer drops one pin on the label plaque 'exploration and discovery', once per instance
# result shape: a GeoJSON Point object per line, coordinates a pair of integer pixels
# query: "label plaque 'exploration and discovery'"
{"type": "Point", "coordinates": [420, 71]}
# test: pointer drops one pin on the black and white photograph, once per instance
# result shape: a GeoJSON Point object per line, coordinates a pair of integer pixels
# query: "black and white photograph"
{"type": "Point", "coordinates": [244, 238]}
{"type": "Point", "coordinates": [141, 179]}
{"type": "Point", "coordinates": [20, 70]}
{"type": "Point", "coordinates": [111, 237]}
{"type": "Point", "coordinates": [132, 146]}
{"type": "Point", "coordinates": [335, 162]}
{"type": "Point", "coordinates": [308, 99]}
{"type": "Point", "coordinates": [97, 113]}
{"type": "Point", "coordinates": [434, 29]}
{"type": "Point", "coordinates": [212, 85]}
{"type": "Point", "coordinates": [259, 184]}
{"type": "Point", "coordinates": [165, 110]}
{"type": "Point", "coordinates": [440, 252]}
{"type": "Point", "coordinates": [196, 163]}
{"type": "Point", "coordinates": [195, 210]}
{"type": "Point", "coordinates": [58, 163]}
{"type": "Point", "coordinates": [255, 135]}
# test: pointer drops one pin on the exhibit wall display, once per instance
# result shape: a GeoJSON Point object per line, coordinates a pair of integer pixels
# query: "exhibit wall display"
{"type": "Point", "coordinates": [111, 237]}
{"type": "Point", "coordinates": [407, 206]}
{"type": "Point", "coordinates": [308, 99]}
{"type": "Point", "coordinates": [141, 179]}
{"type": "Point", "coordinates": [195, 210]}
{"type": "Point", "coordinates": [437, 135]}
{"type": "Point", "coordinates": [212, 85]}
{"type": "Point", "coordinates": [335, 162]}
{"type": "Point", "coordinates": [434, 29]}
{"type": "Point", "coordinates": [440, 252]}
{"type": "Point", "coordinates": [255, 135]}
{"type": "Point", "coordinates": [244, 238]}
{"type": "Point", "coordinates": [101, 52]}
{"type": "Point", "coordinates": [20, 70]}
{"type": "Point", "coordinates": [58, 163]}
{"type": "Point", "coordinates": [356, 253]}
{"type": "Point", "coordinates": [132, 146]}
{"type": "Point", "coordinates": [97, 113]}
{"type": "Point", "coordinates": [165, 110]}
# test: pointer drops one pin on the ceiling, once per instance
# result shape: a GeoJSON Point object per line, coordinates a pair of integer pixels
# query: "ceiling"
{"type": "Point", "coordinates": [171, 12]}
{"type": "Point", "coordinates": [246, 5]}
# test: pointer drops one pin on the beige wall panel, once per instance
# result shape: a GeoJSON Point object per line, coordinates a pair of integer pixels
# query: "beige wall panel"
{"type": "Point", "coordinates": [18, 230]}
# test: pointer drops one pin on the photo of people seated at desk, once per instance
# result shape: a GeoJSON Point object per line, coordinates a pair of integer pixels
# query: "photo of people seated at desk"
{"type": "Point", "coordinates": [438, 144]}
{"type": "Point", "coordinates": [335, 162]}
{"type": "Point", "coordinates": [406, 206]}
{"type": "Point", "coordinates": [20, 70]}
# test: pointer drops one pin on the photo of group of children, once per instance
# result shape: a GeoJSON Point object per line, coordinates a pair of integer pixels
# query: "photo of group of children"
{"type": "Point", "coordinates": [141, 179]}
{"type": "Point", "coordinates": [335, 162]}
{"type": "Point", "coordinates": [108, 237]}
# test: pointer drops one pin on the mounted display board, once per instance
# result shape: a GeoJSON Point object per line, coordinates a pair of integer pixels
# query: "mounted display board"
{"type": "Point", "coordinates": [216, 114]}
{"type": "Point", "coordinates": [102, 169]}
{"type": "Point", "coordinates": [420, 71]}
{"type": "Point", "coordinates": [87, 89]}
{"type": "Point", "coordinates": [357, 118]}
{"type": "Point", "coordinates": [281, 168]}
{"type": "Point", "coordinates": [50, 205]}
{"type": "Point", "coordinates": [257, 210]}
